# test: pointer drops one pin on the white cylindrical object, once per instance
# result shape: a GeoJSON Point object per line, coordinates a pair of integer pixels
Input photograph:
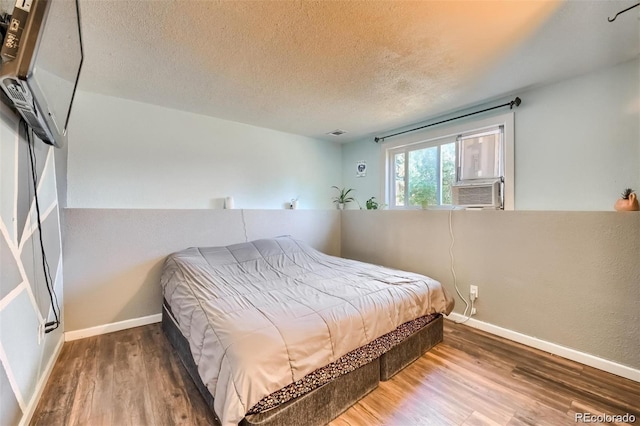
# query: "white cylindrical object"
{"type": "Point", "coordinates": [294, 204]}
{"type": "Point", "coordinates": [228, 203]}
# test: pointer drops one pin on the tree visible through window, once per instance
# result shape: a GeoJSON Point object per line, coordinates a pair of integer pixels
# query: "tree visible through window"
{"type": "Point", "coordinates": [431, 172]}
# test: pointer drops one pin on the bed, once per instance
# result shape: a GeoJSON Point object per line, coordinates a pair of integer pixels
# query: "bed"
{"type": "Point", "coordinates": [274, 332]}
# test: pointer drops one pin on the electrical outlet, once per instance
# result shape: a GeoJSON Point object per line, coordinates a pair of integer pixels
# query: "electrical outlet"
{"type": "Point", "coordinates": [473, 292]}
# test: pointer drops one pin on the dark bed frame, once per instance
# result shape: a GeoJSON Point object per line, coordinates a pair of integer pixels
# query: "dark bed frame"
{"type": "Point", "coordinates": [327, 402]}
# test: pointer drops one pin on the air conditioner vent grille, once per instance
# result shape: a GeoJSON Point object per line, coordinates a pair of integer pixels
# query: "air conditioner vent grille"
{"type": "Point", "coordinates": [480, 195]}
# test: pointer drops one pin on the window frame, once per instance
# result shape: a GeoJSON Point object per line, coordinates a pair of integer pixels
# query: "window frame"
{"type": "Point", "coordinates": [435, 136]}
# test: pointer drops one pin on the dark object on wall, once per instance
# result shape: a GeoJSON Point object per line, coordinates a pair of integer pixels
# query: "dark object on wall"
{"type": "Point", "coordinates": [46, 270]}
{"type": "Point", "coordinates": [621, 12]}
{"type": "Point", "coordinates": [41, 61]}
{"type": "Point", "coordinates": [516, 102]}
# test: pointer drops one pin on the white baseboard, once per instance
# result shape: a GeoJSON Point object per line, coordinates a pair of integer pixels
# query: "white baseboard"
{"type": "Point", "coordinates": [552, 348]}
{"type": "Point", "coordinates": [44, 378]}
{"type": "Point", "coordinates": [110, 328]}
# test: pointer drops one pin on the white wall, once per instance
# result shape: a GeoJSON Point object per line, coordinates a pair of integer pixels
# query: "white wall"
{"type": "Point", "coordinates": [367, 186]}
{"type": "Point", "coordinates": [24, 301]}
{"type": "Point", "coordinates": [577, 143]}
{"type": "Point", "coordinates": [127, 154]}
{"type": "Point", "coordinates": [583, 136]}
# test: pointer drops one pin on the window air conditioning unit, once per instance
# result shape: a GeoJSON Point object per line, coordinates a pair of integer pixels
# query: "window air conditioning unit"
{"type": "Point", "coordinates": [480, 193]}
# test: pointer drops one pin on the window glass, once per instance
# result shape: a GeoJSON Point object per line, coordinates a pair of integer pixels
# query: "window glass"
{"type": "Point", "coordinates": [424, 174]}
{"type": "Point", "coordinates": [399, 183]}
{"type": "Point", "coordinates": [480, 157]}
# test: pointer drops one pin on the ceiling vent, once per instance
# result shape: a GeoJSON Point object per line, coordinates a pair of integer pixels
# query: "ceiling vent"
{"type": "Point", "coordinates": [337, 132]}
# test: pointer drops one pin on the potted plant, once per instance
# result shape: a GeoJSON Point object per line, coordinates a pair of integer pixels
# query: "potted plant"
{"type": "Point", "coordinates": [628, 202]}
{"type": "Point", "coordinates": [372, 204]}
{"type": "Point", "coordinates": [343, 197]}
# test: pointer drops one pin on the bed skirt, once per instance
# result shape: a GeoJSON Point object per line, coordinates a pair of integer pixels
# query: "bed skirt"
{"type": "Point", "coordinates": [325, 403]}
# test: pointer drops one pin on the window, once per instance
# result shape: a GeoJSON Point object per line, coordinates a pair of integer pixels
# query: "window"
{"type": "Point", "coordinates": [421, 171]}
{"type": "Point", "coordinates": [423, 174]}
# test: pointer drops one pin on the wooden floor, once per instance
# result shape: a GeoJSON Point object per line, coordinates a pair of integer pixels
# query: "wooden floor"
{"type": "Point", "coordinates": [134, 377]}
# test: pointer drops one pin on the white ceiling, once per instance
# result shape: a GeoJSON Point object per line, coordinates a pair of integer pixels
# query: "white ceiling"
{"type": "Point", "coordinates": [366, 67]}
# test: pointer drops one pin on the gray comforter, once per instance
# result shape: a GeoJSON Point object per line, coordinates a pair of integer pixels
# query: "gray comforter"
{"type": "Point", "coordinates": [263, 314]}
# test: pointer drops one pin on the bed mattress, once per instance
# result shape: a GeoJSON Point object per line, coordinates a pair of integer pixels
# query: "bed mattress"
{"type": "Point", "coordinates": [261, 316]}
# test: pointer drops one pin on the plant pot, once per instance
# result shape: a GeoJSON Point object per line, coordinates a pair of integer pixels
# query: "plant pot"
{"type": "Point", "coordinates": [629, 205]}
{"type": "Point", "coordinates": [340, 206]}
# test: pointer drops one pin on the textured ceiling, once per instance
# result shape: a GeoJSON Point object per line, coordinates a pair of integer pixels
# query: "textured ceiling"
{"type": "Point", "coordinates": [311, 67]}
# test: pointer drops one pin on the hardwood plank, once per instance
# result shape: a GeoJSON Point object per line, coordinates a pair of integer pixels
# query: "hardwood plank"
{"type": "Point", "coordinates": [622, 389]}
{"type": "Point", "coordinates": [86, 377]}
{"type": "Point", "coordinates": [416, 405]}
{"type": "Point", "coordinates": [494, 382]}
{"type": "Point", "coordinates": [475, 392]}
{"type": "Point", "coordinates": [54, 407]}
{"type": "Point", "coordinates": [356, 415]}
{"type": "Point", "coordinates": [479, 419]}
{"type": "Point", "coordinates": [101, 405]}
{"type": "Point", "coordinates": [490, 346]}
{"type": "Point", "coordinates": [134, 377]}
{"type": "Point", "coordinates": [167, 400]}
{"type": "Point", "coordinates": [131, 401]}
{"type": "Point", "coordinates": [169, 387]}
{"type": "Point", "coordinates": [542, 381]}
{"type": "Point", "coordinates": [540, 415]}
